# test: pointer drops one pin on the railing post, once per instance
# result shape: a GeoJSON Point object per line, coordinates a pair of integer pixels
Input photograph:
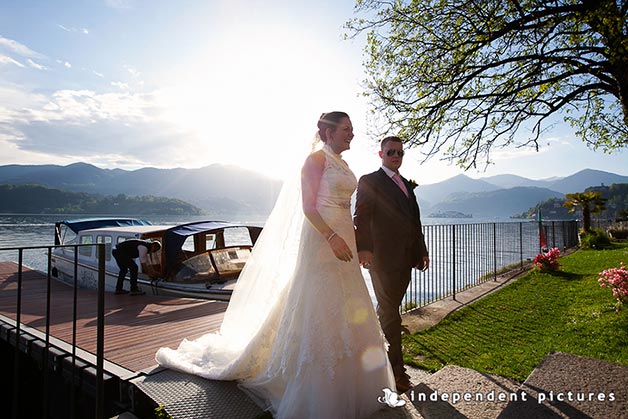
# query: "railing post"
{"type": "Point", "coordinates": [453, 260]}
{"type": "Point", "coordinates": [73, 395]}
{"type": "Point", "coordinates": [100, 337]}
{"type": "Point", "coordinates": [541, 234]}
{"type": "Point", "coordinates": [521, 244]}
{"type": "Point", "coordinates": [553, 235]}
{"type": "Point", "coordinates": [495, 251]}
{"type": "Point", "coordinates": [46, 371]}
{"type": "Point", "coordinates": [18, 331]}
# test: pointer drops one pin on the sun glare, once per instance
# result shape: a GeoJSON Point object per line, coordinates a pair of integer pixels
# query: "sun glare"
{"type": "Point", "coordinates": [252, 99]}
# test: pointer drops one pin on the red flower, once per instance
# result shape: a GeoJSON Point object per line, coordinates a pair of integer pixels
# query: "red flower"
{"type": "Point", "coordinates": [548, 261]}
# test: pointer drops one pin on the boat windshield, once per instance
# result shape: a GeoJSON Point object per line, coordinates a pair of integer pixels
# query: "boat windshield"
{"type": "Point", "coordinates": [66, 235]}
{"type": "Point", "coordinates": [214, 266]}
{"type": "Point", "coordinates": [188, 241]}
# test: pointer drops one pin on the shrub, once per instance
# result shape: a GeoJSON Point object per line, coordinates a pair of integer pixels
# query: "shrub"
{"type": "Point", "coordinates": [595, 239]}
{"type": "Point", "coordinates": [618, 234]}
{"type": "Point", "coordinates": [547, 262]}
{"type": "Point", "coordinates": [617, 280]}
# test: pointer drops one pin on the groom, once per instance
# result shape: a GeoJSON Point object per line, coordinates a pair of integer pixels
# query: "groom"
{"type": "Point", "coordinates": [390, 243]}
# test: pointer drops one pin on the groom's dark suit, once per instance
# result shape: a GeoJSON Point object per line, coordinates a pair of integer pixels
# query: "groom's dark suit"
{"type": "Point", "coordinates": [388, 224]}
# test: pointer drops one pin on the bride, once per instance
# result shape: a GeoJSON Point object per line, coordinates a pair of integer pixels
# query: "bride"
{"type": "Point", "coordinates": [300, 333]}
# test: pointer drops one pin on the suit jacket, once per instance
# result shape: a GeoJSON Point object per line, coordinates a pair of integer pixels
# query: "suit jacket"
{"type": "Point", "coordinates": [388, 223]}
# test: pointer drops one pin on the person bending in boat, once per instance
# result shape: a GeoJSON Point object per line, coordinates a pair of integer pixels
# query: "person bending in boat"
{"type": "Point", "coordinates": [125, 253]}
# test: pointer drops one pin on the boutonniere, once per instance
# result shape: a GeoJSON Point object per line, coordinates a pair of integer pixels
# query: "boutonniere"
{"type": "Point", "coordinates": [413, 184]}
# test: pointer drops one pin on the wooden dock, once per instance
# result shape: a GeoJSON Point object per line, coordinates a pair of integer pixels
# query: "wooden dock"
{"type": "Point", "coordinates": [135, 328]}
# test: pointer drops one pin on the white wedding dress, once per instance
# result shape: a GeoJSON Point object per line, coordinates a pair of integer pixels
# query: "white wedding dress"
{"type": "Point", "coordinates": [311, 345]}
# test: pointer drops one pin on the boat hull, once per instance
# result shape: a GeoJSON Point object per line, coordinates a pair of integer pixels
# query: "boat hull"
{"type": "Point", "coordinates": [87, 277]}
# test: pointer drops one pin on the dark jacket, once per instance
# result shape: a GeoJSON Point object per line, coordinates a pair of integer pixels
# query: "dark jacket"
{"type": "Point", "coordinates": [128, 248]}
{"type": "Point", "coordinates": [388, 223]}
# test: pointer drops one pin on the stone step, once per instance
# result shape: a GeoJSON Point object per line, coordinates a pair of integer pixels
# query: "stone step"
{"type": "Point", "coordinates": [457, 392]}
{"type": "Point", "coordinates": [570, 386]}
{"type": "Point", "coordinates": [561, 386]}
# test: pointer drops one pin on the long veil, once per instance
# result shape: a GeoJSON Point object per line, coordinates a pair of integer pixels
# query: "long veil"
{"type": "Point", "coordinates": [259, 290]}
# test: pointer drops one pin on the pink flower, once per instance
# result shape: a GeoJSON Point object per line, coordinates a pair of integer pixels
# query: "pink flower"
{"type": "Point", "coordinates": [617, 279]}
{"type": "Point", "coordinates": [547, 261]}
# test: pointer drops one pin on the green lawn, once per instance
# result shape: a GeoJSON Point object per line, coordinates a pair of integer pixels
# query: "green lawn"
{"type": "Point", "coordinates": [510, 331]}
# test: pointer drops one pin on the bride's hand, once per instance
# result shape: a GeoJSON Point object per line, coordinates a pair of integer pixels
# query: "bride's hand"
{"type": "Point", "coordinates": [340, 248]}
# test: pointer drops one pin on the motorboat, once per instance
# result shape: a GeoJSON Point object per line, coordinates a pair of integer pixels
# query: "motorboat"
{"type": "Point", "coordinates": [200, 259]}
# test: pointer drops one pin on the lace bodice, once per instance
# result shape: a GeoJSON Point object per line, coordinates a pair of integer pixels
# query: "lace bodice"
{"type": "Point", "coordinates": [337, 183]}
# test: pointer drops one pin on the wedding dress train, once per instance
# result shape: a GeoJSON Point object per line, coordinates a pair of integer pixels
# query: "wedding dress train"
{"type": "Point", "coordinates": [316, 349]}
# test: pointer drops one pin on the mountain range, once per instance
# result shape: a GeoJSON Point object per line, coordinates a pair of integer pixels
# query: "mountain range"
{"type": "Point", "coordinates": [218, 189]}
{"type": "Point", "coordinates": [505, 195]}
{"type": "Point", "coordinates": [226, 190]}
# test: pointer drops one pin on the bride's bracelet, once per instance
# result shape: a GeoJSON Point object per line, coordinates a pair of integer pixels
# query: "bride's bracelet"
{"type": "Point", "coordinates": [331, 236]}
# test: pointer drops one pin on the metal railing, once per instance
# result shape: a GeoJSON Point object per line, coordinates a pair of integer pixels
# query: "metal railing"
{"type": "Point", "coordinates": [466, 255]}
{"type": "Point", "coordinates": [100, 333]}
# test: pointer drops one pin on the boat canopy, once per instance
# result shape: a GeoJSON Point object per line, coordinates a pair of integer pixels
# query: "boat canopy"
{"type": "Point", "coordinates": [174, 237]}
{"type": "Point", "coordinates": [81, 224]}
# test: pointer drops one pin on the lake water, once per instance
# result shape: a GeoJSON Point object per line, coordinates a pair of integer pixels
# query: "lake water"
{"type": "Point", "coordinates": [19, 230]}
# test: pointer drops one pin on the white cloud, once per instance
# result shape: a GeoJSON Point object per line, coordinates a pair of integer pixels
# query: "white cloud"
{"type": "Point", "coordinates": [72, 29]}
{"type": "Point", "coordinates": [8, 60]}
{"type": "Point", "coordinates": [18, 48]}
{"type": "Point", "coordinates": [14, 97]}
{"type": "Point", "coordinates": [120, 85]}
{"type": "Point", "coordinates": [97, 73]}
{"type": "Point", "coordinates": [77, 106]}
{"type": "Point", "coordinates": [36, 65]}
{"type": "Point", "coordinates": [132, 71]}
{"type": "Point", "coordinates": [50, 106]}
{"type": "Point", "coordinates": [121, 129]}
{"type": "Point", "coordinates": [66, 64]}
{"type": "Point", "coordinates": [4, 59]}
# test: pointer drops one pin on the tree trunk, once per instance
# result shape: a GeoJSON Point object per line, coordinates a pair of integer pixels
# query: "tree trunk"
{"type": "Point", "coordinates": [586, 217]}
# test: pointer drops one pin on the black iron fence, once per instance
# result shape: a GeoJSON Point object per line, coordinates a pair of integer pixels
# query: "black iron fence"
{"type": "Point", "coordinates": [23, 403]}
{"type": "Point", "coordinates": [465, 255]}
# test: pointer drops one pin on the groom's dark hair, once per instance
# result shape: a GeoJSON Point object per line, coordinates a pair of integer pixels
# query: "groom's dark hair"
{"type": "Point", "coordinates": [389, 139]}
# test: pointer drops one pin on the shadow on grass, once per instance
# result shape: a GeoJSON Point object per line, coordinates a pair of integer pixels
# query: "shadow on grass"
{"type": "Point", "coordinates": [571, 276]}
{"type": "Point", "coordinates": [613, 245]}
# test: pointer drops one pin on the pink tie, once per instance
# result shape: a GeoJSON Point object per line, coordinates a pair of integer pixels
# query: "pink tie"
{"type": "Point", "coordinates": [399, 183]}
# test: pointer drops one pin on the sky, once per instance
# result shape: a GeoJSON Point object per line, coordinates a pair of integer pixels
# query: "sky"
{"type": "Point", "coordinates": [153, 83]}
